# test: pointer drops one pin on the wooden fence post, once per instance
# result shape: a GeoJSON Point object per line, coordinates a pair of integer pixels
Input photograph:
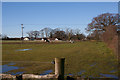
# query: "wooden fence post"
{"type": "Point", "coordinates": [59, 68]}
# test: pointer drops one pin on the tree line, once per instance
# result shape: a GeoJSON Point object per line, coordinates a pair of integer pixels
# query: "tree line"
{"type": "Point", "coordinates": [102, 27]}
{"type": "Point", "coordinates": [68, 34]}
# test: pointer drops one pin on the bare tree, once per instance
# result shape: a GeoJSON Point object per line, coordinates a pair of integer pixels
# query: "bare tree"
{"type": "Point", "coordinates": [68, 30]}
{"type": "Point", "coordinates": [100, 23]}
{"type": "Point", "coordinates": [77, 32]}
{"type": "Point", "coordinates": [60, 35]}
{"type": "Point", "coordinates": [3, 36]}
{"type": "Point", "coordinates": [71, 33]}
{"type": "Point", "coordinates": [47, 31]}
{"type": "Point", "coordinates": [42, 33]}
{"type": "Point", "coordinates": [0, 36]}
{"type": "Point", "coordinates": [34, 34]}
{"type": "Point", "coordinates": [30, 34]}
{"type": "Point", "coordinates": [53, 31]}
{"type": "Point", "coordinates": [51, 34]}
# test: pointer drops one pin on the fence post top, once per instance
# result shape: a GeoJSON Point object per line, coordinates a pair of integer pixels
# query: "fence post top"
{"type": "Point", "coordinates": [59, 58]}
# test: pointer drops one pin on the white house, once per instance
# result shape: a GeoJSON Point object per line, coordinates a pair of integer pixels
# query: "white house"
{"type": "Point", "coordinates": [42, 39]}
{"type": "Point", "coordinates": [26, 39]}
{"type": "Point", "coordinates": [56, 39]}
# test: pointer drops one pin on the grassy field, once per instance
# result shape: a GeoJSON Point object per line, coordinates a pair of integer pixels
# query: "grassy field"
{"type": "Point", "coordinates": [90, 58]}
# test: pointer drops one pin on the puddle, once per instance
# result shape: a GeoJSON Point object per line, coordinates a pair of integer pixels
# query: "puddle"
{"type": "Point", "coordinates": [23, 49]}
{"type": "Point", "coordinates": [70, 74]}
{"type": "Point", "coordinates": [82, 71]}
{"type": "Point", "coordinates": [6, 68]}
{"type": "Point", "coordinates": [9, 67]}
{"type": "Point", "coordinates": [113, 71]}
{"type": "Point", "coordinates": [46, 72]}
{"type": "Point", "coordinates": [108, 75]}
{"type": "Point", "coordinates": [16, 73]}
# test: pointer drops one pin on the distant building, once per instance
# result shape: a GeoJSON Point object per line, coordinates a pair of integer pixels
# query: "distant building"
{"type": "Point", "coordinates": [26, 39]}
{"type": "Point", "coordinates": [42, 39]}
{"type": "Point", "coordinates": [56, 39]}
{"type": "Point", "coordinates": [45, 39]}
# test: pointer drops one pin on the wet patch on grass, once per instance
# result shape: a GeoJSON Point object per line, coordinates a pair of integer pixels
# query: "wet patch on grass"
{"type": "Point", "coordinates": [112, 71]}
{"type": "Point", "coordinates": [9, 67]}
{"type": "Point", "coordinates": [70, 74]}
{"type": "Point", "coordinates": [23, 49]}
{"type": "Point", "coordinates": [108, 75]}
{"type": "Point", "coordinates": [47, 72]}
{"type": "Point", "coordinates": [17, 73]}
{"type": "Point", "coordinates": [78, 57]}
{"type": "Point", "coordinates": [81, 72]}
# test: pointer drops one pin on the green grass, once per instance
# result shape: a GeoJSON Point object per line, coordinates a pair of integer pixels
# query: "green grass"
{"type": "Point", "coordinates": [78, 56]}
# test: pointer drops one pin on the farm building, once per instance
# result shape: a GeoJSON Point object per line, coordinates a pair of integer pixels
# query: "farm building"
{"type": "Point", "coordinates": [26, 39]}
{"type": "Point", "coordinates": [56, 39]}
{"type": "Point", "coordinates": [45, 39]}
